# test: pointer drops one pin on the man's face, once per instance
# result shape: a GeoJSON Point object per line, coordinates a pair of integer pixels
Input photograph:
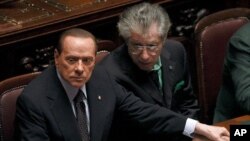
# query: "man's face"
{"type": "Point", "coordinates": [76, 61]}
{"type": "Point", "coordinates": [145, 49]}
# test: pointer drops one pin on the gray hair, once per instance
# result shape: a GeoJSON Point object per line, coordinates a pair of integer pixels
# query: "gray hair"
{"type": "Point", "coordinates": [140, 17]}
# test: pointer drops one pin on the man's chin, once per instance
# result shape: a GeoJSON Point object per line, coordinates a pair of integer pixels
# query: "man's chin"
{"type": "Point", "coordinates": [77, 84]}
{"type": "Point", "coordinates": [145, 67]}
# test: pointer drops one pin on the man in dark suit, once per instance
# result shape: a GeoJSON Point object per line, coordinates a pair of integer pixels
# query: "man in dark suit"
{"type": "Point", "coordinates": [234, 96]}
{"type": "Point", "coordinates": [144, 28]}
{"type": "Point", "coordinates": [46, 109]}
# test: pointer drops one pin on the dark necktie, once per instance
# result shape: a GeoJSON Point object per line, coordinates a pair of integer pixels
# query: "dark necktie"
{"type": "Point", "coordinates": [81, 115]}
{"type": "Point", "coordinates": [154, 76]}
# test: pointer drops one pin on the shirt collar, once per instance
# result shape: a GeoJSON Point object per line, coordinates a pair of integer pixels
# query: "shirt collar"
{"type": "Point", "coordinates": [70, 90]}
{"type": "Point", "coordinates": [158, 65]}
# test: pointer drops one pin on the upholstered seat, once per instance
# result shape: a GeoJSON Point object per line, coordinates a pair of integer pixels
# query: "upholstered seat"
{"type": "Point", "coordinates": [104, 47]}
{"type": "Point", "coordinates": [212, 34]}
{"type": "Point", "coordinates": [10, 89]}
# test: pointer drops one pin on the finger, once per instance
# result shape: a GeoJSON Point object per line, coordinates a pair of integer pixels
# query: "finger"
{"type": "Point", "coordinates": [225, 138]}
{"type": "Point", "coordinates": [225, 132]}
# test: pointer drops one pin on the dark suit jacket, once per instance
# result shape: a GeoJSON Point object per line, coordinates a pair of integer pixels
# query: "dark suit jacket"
{"type": "Point", "coordinates": [177, 90]}
{"type": "Point", "coordinates": [234, 96]}
{"type": "Point", "coordinates": [44, 111]}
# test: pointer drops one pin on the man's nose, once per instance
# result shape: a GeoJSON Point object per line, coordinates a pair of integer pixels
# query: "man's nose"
{"type": "Point", "coordinates": [144, 54]}
{"type": "Point", "coordinates": [79, 66]}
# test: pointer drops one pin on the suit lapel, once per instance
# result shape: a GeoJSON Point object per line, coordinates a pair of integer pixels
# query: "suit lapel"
{"type": "Point", "coordinates": [62, 111]}
{"type": "Point", "coordinates": [65, 118]}
{"type": "Point", "coordinates": [138, 76]}
{"type": "Point", "coordinates": [168, 67]}
{"type": "Point", "coordinates": [97, 106]}
{"type": "Point", "coordinates": [149, 87]}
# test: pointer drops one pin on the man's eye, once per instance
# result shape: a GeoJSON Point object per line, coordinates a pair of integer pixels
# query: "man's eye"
{"type": "Point", "coordinates": [152, 47]}
{"type": "Point", "coordinates": [139, 46]}
{"type": "Point", "coordinates": [87, 60]}
{"type": "Point", "coordinates": [71, 60]}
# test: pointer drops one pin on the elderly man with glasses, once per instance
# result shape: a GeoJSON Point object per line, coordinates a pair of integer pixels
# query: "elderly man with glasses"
{"type": "Point", "coordinates": [152, 67]}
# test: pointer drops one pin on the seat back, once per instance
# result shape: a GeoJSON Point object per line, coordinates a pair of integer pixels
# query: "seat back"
{"type": "Point", "coordinates": [10, 89]}
{"type": "Point", "coordinates": [221, 16]}
{"type": "Point", "coordinates": [104, 48]}
{"type": "Point", "coordinates": [101, 54]}
{"type": "Point", "coordinates": [105, 45]}
{"type": "Point", "coordinates": [212, 34]}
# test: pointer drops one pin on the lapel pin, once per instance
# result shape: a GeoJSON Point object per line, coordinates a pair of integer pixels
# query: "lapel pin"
{"type": "Point", "coordinates": [99, 97]}
{"type": "Point", "coordinates": [170, 67]}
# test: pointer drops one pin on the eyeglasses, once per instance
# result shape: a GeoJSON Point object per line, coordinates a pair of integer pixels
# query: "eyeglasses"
{"type": "Point", "coordinates": [137, 49]}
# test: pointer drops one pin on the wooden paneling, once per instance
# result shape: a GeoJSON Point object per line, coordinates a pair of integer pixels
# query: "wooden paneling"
{"type": "Point", "coordinates": [26, 19]}
{"type": "Point", "coordinates": [29, 28]}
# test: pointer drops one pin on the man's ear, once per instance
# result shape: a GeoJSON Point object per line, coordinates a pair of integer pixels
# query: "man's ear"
{"type": "Point", "coordinates": [56, 56]}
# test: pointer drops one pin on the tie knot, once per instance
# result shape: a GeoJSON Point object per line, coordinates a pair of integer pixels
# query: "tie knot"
{"type": "Point", "coordinates": [79, 97]}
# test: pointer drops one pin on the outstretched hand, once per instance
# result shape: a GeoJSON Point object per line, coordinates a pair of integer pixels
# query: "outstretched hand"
{"type": "Point", "coordinates": [203, 138]}
{"type": "Point", "coordinates": [205, 132]}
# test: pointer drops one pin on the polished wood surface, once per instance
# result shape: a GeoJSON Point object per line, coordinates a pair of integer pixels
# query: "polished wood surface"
{"type": "Point", "coordinates": [235, 121]}
{"type": "Point", "coordinates": [25, 19]}
{"type": "Point", "coordinates": [29, 28]}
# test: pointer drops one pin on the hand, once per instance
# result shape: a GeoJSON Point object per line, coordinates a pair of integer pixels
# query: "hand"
{"type": "Point", "coordinates": [200, 138]}
{"type": "Point", "coordinates": [212, 133]}
{"type": "Point", "coordinates": [203, 138]}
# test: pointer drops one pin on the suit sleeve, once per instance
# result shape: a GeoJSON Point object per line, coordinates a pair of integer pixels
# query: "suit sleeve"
{"type": "Point", "coordinates": [30, 126]}
{"type": "Point", "coordinates": [154, 118]}
{"type": "Point", "coordinates": [238, 62]}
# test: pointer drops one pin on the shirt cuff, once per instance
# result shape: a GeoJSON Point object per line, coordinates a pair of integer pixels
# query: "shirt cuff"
{"type": "Point", "coordinates": [190, 127]}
